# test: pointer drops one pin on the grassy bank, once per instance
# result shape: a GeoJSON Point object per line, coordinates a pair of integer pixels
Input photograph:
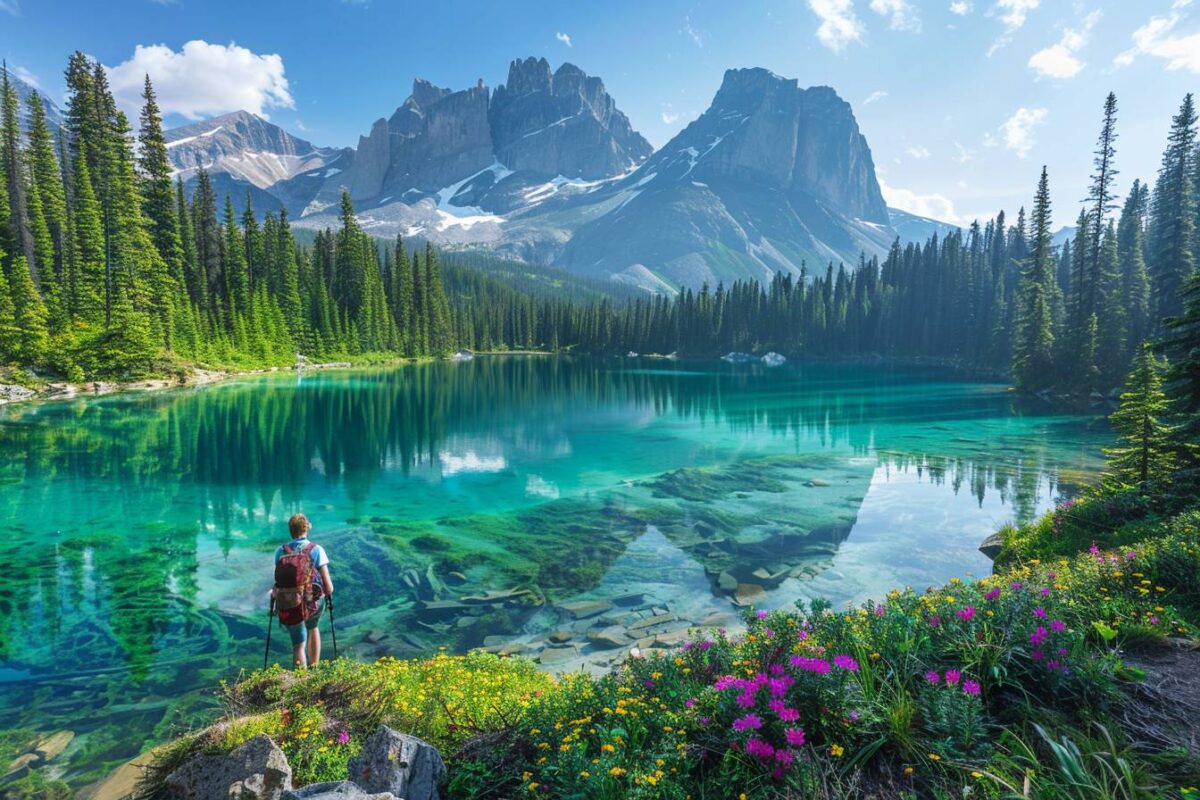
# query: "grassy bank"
{"type": "Point", "coordinates": [1035, 682]}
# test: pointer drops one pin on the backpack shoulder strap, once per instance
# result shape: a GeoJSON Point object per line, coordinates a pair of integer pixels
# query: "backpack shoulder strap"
{"type": "Point", "coordinates": [308, 548]}
{"type": "Point", "coordinates": [287, 549]}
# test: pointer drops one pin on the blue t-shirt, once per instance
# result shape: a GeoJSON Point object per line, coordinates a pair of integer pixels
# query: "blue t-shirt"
{"type": "Point", "coordinates": [317, 554]}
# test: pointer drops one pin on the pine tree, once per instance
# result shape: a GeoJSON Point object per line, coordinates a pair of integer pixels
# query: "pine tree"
{"type": "Point", "coordinates": [18, 239]}
{"type": "Point", "coordinates": [1100, 198]}
{"type": "Point", "coordinates": [1131, 255]}
{"type": "Point", "coordinates": [29, 316]}
{"type": "Point", "coordinates": [158, 196]}
{"type": "Point", "coordinates": [1143, 451]}
{"type": "Point", "coordinates": [45, 176]}
{"type": "Point", "coordinates": [1172, 216]}
{"type": "Point", "coordinates": [1033, 357]}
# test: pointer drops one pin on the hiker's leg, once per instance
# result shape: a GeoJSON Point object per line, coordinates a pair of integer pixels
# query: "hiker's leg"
{"type": "Point", "coordinates": [314, 646]}
{"type": "Point", "coordinates": [299, 646]}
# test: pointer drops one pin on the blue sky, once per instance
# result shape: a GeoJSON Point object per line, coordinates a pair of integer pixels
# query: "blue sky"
{"type": "Point", "coordinates": [962, 101]}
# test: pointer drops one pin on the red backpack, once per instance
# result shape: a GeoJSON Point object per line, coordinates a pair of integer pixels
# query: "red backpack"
{"type": "Point", "coordinates": [294, 598]}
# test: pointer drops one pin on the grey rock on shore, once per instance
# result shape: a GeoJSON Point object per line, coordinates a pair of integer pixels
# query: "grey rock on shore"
{"type": "Point", "coordinates": [406, 766]}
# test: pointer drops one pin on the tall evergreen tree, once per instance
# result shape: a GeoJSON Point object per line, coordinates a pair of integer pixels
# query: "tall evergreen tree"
{"type": "Point", "coordinates": [158, 196]}
{"type": "Point", "coordinates": [1033, 357]}
{"type": "Point", "coordinates": [1172, 216]}
{"type": "Point", "coordinates": [1143, 451]}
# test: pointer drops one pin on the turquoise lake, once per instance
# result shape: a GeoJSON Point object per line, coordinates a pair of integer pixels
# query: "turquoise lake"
{"type": "Point", "coordinates": [566, 509]}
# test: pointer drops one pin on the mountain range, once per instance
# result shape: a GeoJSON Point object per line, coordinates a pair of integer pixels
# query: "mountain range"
{"type": "Point", "coordinates": [546, 168]}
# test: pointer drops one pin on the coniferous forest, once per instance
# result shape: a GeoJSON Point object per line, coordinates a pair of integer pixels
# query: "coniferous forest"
{"type": "Point", "coordinates": [111, 270]}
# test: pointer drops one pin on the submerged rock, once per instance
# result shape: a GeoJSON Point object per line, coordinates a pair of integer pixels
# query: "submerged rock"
{"type": "Point", "coordinates": [462, 355]}
{"type": "Point", "coordinates": [582, 609]}
{"type": "Point", "coordinates": [257, 770]}
{"type": "Point", "coordinates": [406, 766]}
{"type": "Point", "coordinates": [738, 358]}
{"type": "Point", "coordinates": [774, 359]}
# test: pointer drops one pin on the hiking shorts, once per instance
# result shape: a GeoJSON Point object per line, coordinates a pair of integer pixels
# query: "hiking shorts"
{"type": "Point", "coordinates": [299, 633]}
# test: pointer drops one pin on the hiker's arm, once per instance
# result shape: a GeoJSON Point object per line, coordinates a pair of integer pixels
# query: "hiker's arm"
{"type": "Point", "coordinates": [326, 581]}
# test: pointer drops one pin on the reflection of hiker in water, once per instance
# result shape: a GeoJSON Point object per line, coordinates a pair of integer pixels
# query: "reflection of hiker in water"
{"type": "Point", "coordinates": [301, 580]}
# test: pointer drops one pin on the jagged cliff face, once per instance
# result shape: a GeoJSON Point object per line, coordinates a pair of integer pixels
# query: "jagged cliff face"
{"type": "Point", "coordinates": [772, 177]}
{"type": "Point", "coordinates": [766, 130]}
{"type": "Point", "coordinates": [562, 123]}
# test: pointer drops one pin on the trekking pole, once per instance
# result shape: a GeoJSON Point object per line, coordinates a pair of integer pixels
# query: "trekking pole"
{"type": "Point", "coordinates": [332, 627]}
{"type": "Point", "coordinates": [270, 619]}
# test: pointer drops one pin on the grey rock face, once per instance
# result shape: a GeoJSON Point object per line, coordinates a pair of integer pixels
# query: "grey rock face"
{"type": "Point", "coordinates": [336, 790]}
{"type": "Point", "coordinates": [257, 770]}
{"type": "Point", "coordinates": [403, 765]}
{"type": "Point", "coordinates": [562, 123]}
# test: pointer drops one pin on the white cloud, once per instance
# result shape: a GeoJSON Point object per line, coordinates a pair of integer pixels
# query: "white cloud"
{"type": "Point", "coordinates": [697, 36]}
{"type": "Point", "coordinates": [11, 7]}
{"type": "Point", "coordinates": [903, 17]}
{"type": "Point", "coordinates": [960, 7]}
{"type": "Point", "coordinates": [1016, 133]}
{"type": "Point", "coordinates": [670, 117]}
{"type": "Point", "coordinates": [839, 24]}
{"type": "Point", "coordinates": [202, 79]}
{"type": "Point", "coordinates": [26, 76]}
{"type": "Point", "coordinates": [1059, 60]}
{"type": "Point", "coordinates": [919, 151]}
{"type": "Point", "coordinates": [1013, 13]}
{"type": "Point", "coordinates": [935, 206]}
{"type": "Point", "coordinates": [874, 97]}
{"type": "Point", "coordinates": [1157, 38]}
{"type": "Point", "coordinates": [964, 153]}
{"type": "Point", "coordinates": [564, 38]}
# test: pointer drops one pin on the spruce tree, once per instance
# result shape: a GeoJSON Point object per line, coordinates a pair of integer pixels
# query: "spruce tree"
{"type": "Point", "coordinates": [1143, 451]}
{"type": "Point", "coordinates": [1172, 216]}
{"type": "Point", "coordinates": [18, 239]}
{"type": "Point", "coordinates": [1131, 255]}
{"type": "Point", "coordinates": [1033, 356]}
{"type": "Point", "coordinates": [158, 195]}
{"type": "Point", "coordinates": [1100, 199]}
{"type": "Point", "coordinates": [29, 315]}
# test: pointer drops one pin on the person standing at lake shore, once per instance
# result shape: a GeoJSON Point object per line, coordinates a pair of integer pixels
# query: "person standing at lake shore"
{"type": "Point", "coordinates": [301, 580]}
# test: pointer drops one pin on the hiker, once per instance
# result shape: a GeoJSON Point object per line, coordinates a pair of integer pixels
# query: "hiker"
{"type": "Point", "coordinates": [301, 581]}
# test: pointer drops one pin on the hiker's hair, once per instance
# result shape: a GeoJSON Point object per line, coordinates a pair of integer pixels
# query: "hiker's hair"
{"type": "Point", "coordinates": [298, 525]}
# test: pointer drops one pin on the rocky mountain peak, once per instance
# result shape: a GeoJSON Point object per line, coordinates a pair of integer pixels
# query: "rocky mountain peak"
{"type": "Point", "coordinates": [425, 93]}
{"type": "Point", "coordinates": [562, 123]}
{"type": "Point", "coordinates": [527, 76]}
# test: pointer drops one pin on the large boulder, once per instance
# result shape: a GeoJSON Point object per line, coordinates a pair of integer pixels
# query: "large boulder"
{"type": "Point", "coordinates": [403, 765]}
{"type": "Point", "coordinates": [336, 790]}
{"type": "Point", "coordinates": [257, 770]}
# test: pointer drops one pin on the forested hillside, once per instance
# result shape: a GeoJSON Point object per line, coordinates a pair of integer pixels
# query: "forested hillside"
{"type": "Point", "coordinates": [109, 269]}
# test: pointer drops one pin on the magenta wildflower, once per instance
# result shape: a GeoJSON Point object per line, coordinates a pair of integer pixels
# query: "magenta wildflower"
{"type": "Point", "coordinates": [760, 614]}
{"type": "Point", "coordinates": [795, 737]}
{"type": "Point", "coordinates": [748, 722]}
{"type": "Point", "coordinates": [1038, 636]}
{"type": "Point", "coordinates": [343, 736]}
{"type": "Point", "coordinates": [993, 594]}
{"type": "Point", "coordinates": [746, 700]}
{"type": "Point", "coordinates": [1052, 665]}
{"type": "Point", "coordinates": [1057, 625]}
{"type": "Point", "coordinates": [1094, 550]}
{"type": "Point", "coordinates": [783, 758]}
{"type": "Point", "coordinates": [789, 715]}
{"type": "Point", "coordinates": [1036, 655]}
{"type": "Point", "coordinates": [970, 687]}
{"type": "Point", "coordinates": [689, 703]}
{"type": "Point", "coordinates": [1045, 591]}
{"type": "Point", "coordinates": [1039, 612]}
{"type": "Point", "coordinates": [779, 686]}
{"type": "Point", "coordinates": [952, 676]}
{"type": "Point", "coordinates": [935, 621]}
{"type": "Point", "coordinates": [725, 682]}
{"type": "Point", "coordinates": [966, 614]}
{"type": "Point", "coordinates": [817, 665]}
{"type": "Point", "coordinates": [1154, 620]}
{"type": "Point", "coordinates": [1132, 554]}
{"type": "Point", "coordinates": [759, 748]}
{"type": "Point", "coordinates": [845, 662]}
{"type": "Point", "coordinates": [932, 676]}
{"type": "Point", "coordinates": [1016, 586]}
